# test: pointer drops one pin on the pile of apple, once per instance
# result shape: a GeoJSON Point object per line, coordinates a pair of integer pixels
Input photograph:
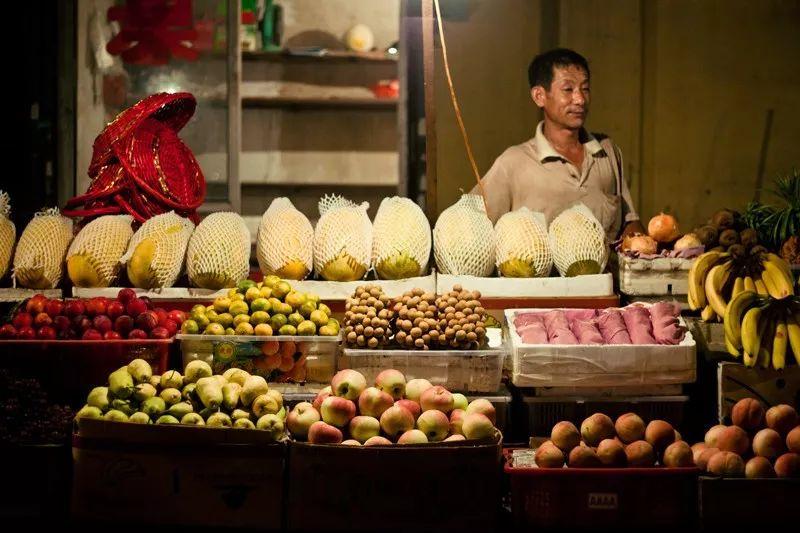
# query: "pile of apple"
{"type": "Point", "coordinates": [759, 444]}
{"type": "Point", "coordinates": [100, 318]}
{"type": "Point", "coordinates": [602, 442]}
{"type": "Point", "coordinates": [392, 411]}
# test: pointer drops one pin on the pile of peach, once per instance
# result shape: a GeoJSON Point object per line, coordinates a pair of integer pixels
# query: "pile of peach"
{"type": "Point", "coordinates": [759, 444]}
{"type": "Point", "coordinates": [602, 442]}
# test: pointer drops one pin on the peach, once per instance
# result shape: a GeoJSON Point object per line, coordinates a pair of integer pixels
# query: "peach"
{"type": "Point", "coordinates": [484, 407]}
{"type": "Point", "coordinates": [701, 461]}
{"type": "Point", "coordinates": [733, 439]}
{"type": "Point", "coordinates": [597, 428]}
{"type": "Point", "coordinates": [768, 443]}
{"type": "Point", "coordinates": [434, 424]}
{"type": "Point", "coordinates": [565, 436]}
{"type": "Point", "coordinates": [322, 433]}
{"type": "Point", "coordinates": [321, 395]}
{"type": "Point", "coordinates": [396, 420]}
{"type": "Point", "coordinates": [337, 411]}
{"type": "Point", "coordinates": [412, 407]}
{"type": "Point", "coordinates": [351, 442]}
{"type": "Point", "coordinates": [378, 441]}
{"type": "Point", "coordinates": [678, 454]}
{"type": "Point", "coordinates": [549, 456]}
{"type": "Point", "coordinates": [758, 467]}
{"type": "Point", "coordinates": [793, 440]}
{"type": "Point", "coordinates": [659, 434]}
{"type": "Point", "coordinates": [437, 398]}
{"type": "Point", "coordinates": [788, 465]}
{"type": "Point", "coordinates": [630, 428]}
{"type": "Point", "coordinates": [727, 464]}
{"type": "Point", "coordinates": [453, 438]}
{"type": "Point", "coordinates": [748, 414]}
{"type": "Point", "coordinates": [583, 457]}
{"type": "Point", "coordinates": [478, 426]}
{"type": "Point", "coordinates": [363, 428]}
{"type": "Point", "coordinates": [713, 434]}
{"type": "Point", "coordinates": [348, 384]}
{"type": "Point", "coordinates": [412, 436]}
{"type": "Point", "coordinates": [697, 449]}
{"type": "Point", "coordinates": [373, 402]}
{"type": "Point", "coordinates": [612, 453]}
{"type": "Point", "coordinates": [415, 388]}
{"type": "Point", "coordinates": [392, 382]}
{"type": "Point", "coordinates": [640, 454]}
{"type": "Point", "coordinates": [782, 418]}
{"type": "Point", "coordinates": [457, 421]}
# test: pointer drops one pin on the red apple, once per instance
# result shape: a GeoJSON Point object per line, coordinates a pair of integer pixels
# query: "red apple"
{"type": "Point", "coordinates": [321, 395]}
{"type": "Point", "coordinates": [159, 333]}
{"type": "Point", "coordinates": [161, 313]}
{"type": "Point", "coordinates": [42, 319]}
{"type": "Point", "coordinates": [54, 307]}
{"type": "Point", "coordinates": [123, 325]}
{"type": "Point", "coordinates": [74, 308]}
{"type": "Point", "coordinates": [137, 334]}
{"type": "Point", "coordinates": [8, 331]}
{"type": "Point", "coordinates": [136, 307]}
{"type": "Point", "coordinates": [373, 402]}
{"type": "Point", "coordinates": [300, 419]}
{"type": "Point", "coordinates": [337, 411]}
{"type": "Point", "coordinates": [46, 333]}
{"type": "Point", "coordinates": [437, 398]}
{"type": "Point", "coordinates": [36, 304]}
{"type": "Point", "coordinates": [26, 333]}
{"type": "Point", "coordinates": [170, 326]}
{"type": "Point", "coordinates": [322, 433]}
{"type": "Point", "coordinates": [91, 335]}
{"type": "Point", "coordinates": [484, 407]}
{"type": "Point", "coordinates": [412, 407]}
{"type": "Point", "coordinates": [348, 384]}
{"type": "Point", "coordinates": [61, 323]}
{"type": "Point", "coordinates": [102, 323]}
{"type": "Point", "coordinates": [392, 382]}
{"type": "Point", "coordinates": [434, 424]}
{"type": "Point", "coordinates": [96, 306]}
{"type": "Point", "coordinates": [111, 335]}
{"type": "Point", "coordinates": [81, 323]}
{"type": "Point", "coordinates": [115, 309]}
{"type": "Point", "coordinates": [396, 420]}
{"type": "Point", "coordinates": [147, 320]}
{"type": "Point", "coordinates": [22, 320]}
{"type": "Point", "coordinates": [126, 295]}
{"type": "Point", "coordinates": [147, 301]}
{"type": "Point", "coordinates": [177, 316]}
{"type": "Point", "coordinates": [415, 388]}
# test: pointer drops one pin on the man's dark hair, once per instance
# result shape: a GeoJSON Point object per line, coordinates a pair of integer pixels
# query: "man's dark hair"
{"type": "Point", "coordinates": [540, 71]}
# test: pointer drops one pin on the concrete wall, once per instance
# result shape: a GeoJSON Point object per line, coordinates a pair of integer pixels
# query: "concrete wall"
{"type": "Point", "coordinates": [683, 86]}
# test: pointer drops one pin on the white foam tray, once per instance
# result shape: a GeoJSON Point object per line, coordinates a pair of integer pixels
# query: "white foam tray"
{"type": "Point", "coordinates": [553, 287]}
{"type": "Point", "coordinates": [654, 277]}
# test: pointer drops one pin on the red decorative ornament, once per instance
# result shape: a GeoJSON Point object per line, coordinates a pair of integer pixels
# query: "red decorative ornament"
{"type": "Point", "coordinates": [141, 167]}
{"type": "Point", "coordinates": [152, 31]}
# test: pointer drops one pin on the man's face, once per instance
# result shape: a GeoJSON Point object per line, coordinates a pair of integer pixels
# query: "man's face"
{"type": "Point", "coordinates": [566, 102]}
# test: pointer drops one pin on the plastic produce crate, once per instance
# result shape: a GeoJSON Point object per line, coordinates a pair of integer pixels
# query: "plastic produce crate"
{"type": "Point", "coordinates": [313, 357]}
{"type": "Point", "coordinates": [68, 369]}
{"type": "Point", "coordinates": [450, 486]}
{"type": "Point", "coordinates": [456, 370]}
{"type": "Point", "coordinates": [552, 365]}
{"type": "Point", "coordinates": [747, 502]}
{"type": "Point", "coordinates": [166, 475]}
{"type": "Point", "coordinates": [540, 414]}
{"type": "Point", "coordinates": [600, 498]}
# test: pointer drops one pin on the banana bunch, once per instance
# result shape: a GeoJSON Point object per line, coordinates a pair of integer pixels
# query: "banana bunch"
{"type": "Point", "coordinates": [717, 278]}
{"type": "Point", "coordinates": [762, 329]}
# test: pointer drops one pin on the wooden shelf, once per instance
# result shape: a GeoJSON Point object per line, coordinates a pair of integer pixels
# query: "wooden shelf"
{"type": "Point", "coordinates": [297, 104]}
{"type": "Point", "coordinates": [329, 56]}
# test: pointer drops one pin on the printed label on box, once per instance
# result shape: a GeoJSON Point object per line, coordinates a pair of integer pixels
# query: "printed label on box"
{"type": "Point", "coordinates": [603, 500]}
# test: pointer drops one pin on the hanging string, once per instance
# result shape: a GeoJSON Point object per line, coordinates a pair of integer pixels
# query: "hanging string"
{"type": "Point", "coordinates": [456, 107]}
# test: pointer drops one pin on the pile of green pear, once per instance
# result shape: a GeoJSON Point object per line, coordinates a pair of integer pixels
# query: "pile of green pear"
{"type": "Point", "coordinates": [234, 399]}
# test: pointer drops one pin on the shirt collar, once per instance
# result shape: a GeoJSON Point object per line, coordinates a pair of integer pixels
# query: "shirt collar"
{"type": "Point", "coordinates": [544, 150]}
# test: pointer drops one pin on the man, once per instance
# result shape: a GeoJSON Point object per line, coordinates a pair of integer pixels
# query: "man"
{"type": "Point", "coordinates": [562, 164]}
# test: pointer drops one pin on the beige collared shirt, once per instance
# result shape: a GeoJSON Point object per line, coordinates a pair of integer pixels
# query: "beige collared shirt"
{"type": "Point", "coordinates": [534, 175]}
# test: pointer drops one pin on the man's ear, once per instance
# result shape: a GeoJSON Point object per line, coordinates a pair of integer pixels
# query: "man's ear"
{"type": "Point", "coordinates": [538, 95]}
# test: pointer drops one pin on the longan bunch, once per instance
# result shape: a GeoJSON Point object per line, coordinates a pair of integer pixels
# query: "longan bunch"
{"type": "Point", "coordinates": [462, 319]}
{"type": "Point", "coordinates": [368, 318]}
{"type": "Point", "coordinates": [416, 325]}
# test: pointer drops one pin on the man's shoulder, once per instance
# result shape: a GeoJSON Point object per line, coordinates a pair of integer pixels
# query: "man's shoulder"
{"type": "Point", "coordinates": [604, 139]}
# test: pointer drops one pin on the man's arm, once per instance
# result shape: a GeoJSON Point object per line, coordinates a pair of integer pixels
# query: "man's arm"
{"type": "Point", "coordinates": [630, 219]}
{"type": "Point", "coordinates": [497, 189]}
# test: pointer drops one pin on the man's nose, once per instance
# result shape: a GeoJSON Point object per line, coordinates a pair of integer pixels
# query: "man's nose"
{"type": "Point", "coordinates": [579, 98]}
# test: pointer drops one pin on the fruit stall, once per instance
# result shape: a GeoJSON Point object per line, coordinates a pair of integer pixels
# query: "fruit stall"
{"type": "Point", "coordinates": [517, 374]}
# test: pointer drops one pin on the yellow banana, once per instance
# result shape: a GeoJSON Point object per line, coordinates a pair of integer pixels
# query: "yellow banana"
{"type": "Point", "coordinates": [761, 289]}
{"type": "Point", "coordinates": [793, 331]}
{"type": "Point", "coordinates": [778, 284]}
{"type": "Point", "coordinates": [708, 314]}
{"type": "Point", "coordinates": [715, 280]}
{"type": "Point", "coordinates": [690, 298]}
{"type": "Point", "coordinates": [738, 286]}
{"type": "Point", "coordinates": [734, 351]}
{"type": "Point", "coordinates": [751, 340]}
{"type": "Point", "coordinates": [779, 346]}
{"type": "Point", "coordinates": [698, 274]}
{"type": "Point", "coordinates": [749, 284]}
{"type": "Point", "coordinates": [780, 262]}
{"type": "Point", "coordinates": [767, 340]}
{"type": "Point", "coordinates": [733, 318]}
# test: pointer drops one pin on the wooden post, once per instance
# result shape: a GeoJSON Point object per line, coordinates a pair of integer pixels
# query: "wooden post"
{"type": "Point", "coordinates": [429, 71]}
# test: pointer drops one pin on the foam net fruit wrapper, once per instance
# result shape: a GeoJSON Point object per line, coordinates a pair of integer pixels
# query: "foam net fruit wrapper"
{"type": "Point", "coordinates": [285, 242]}
{"type": "Point", "coordinates": [401, 242]}
{"type": "Point", "coordinates": [464, 239]}
{"type": "Point", "coordinates": [577, 235]}
{"type": "Point", "coordinates": [342, 240]}
{"type": "Point", "coordinates": [157, 251]}
{"type": "Point", "coordinates": [41, 250]}
{"type": "Point", "coordinates": [523, 246]}
{"type": "Point", "coordinates": [218, 255]}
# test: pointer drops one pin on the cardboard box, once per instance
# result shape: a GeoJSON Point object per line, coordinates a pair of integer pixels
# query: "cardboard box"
{"type": "Point", "coordinates": [177, 475]}
{"type": "Point", "coordinates": [772, 387]}
{"type": "Point", "coordinates": [577, 287]}
{"type": "Point", "coordinates": [434, 487]}
{"type": "Point", "coordinates": [663, 276]}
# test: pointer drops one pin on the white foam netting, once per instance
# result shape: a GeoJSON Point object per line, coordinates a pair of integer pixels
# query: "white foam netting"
{"type": "Point", "coordinates": [522, 236]}
{"type": "Point", "coordinates": [464, 239]}
{"type": "Point", "coordinates": [285, 235]}
{"type": "Point", "coordinates": [401, 228]}
{"type": "Point", "coordinates": [577, 235]}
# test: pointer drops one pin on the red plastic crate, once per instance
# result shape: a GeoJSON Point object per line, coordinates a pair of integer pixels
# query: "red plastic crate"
{"type": "Point", "coordinates": [68, 369]}
{"type": "Point", "coordinates": [602, 497]}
